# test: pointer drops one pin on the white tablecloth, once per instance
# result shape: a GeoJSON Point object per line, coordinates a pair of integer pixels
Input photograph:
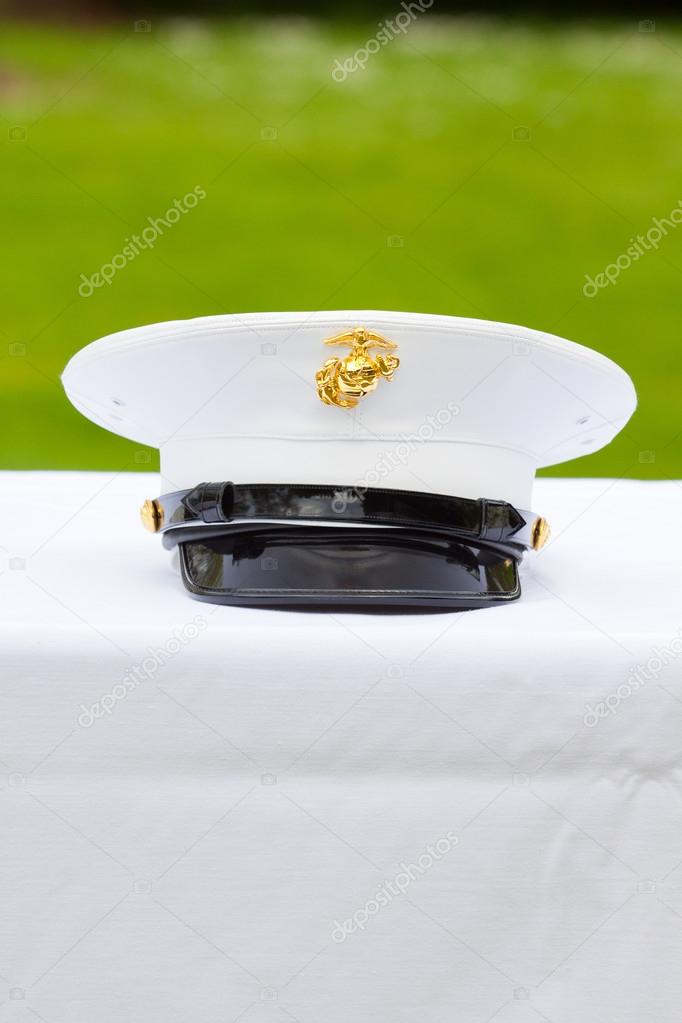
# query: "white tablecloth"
{"type": "Point", "coordinates": [217, 814]}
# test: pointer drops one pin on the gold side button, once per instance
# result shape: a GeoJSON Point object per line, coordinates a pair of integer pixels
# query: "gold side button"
{"type": "Point", "coordinates": [151, 514]}
{"type": "Point", "coordinates": [540, 534]}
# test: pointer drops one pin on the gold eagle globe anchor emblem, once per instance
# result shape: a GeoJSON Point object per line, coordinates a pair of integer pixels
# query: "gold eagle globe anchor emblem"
{"type": "Point", "coordinates": [343, 382]}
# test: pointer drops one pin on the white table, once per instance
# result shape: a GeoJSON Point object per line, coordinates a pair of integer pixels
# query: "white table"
{"type": "Point", "coordinates": [190, 854]}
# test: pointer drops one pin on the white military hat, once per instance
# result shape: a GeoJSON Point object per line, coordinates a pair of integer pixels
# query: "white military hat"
{"type": "Point", "coordinates": [362, 400]}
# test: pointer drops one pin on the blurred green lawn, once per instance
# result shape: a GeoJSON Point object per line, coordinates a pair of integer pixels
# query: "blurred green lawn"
{"type": "Point", "coordinates": [308, 180]}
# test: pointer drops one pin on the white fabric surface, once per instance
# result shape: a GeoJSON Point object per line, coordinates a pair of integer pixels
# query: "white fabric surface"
{"type": "Point", "coordinates": [189, 855]}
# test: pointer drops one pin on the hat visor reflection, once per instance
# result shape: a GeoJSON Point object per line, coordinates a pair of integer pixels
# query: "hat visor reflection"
{"type": "Point", "coordinates": [351, 568]}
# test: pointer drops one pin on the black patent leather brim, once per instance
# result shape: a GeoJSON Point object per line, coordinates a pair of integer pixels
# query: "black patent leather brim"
{"type": "Point", "coordinates": [352, 569]}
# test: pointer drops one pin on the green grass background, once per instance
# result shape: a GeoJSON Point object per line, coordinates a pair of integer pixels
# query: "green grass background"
{"type": "Point", "coordinates": [115, 124]}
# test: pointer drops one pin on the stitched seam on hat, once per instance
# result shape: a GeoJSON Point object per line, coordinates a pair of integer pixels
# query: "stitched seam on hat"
{"type": "Point", "coordinates": [335, 437]}
{"type": "Point", "coordinates": [545, 344]}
